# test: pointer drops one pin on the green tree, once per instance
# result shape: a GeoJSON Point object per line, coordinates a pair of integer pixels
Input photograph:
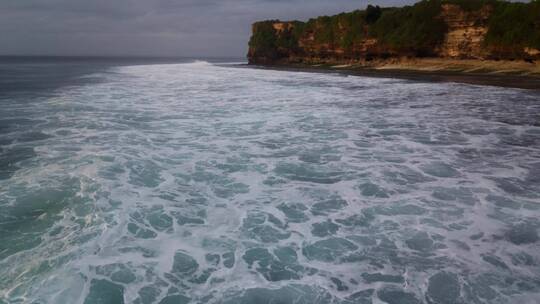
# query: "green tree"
{"type": "Point", "coordinates": [373, 13]}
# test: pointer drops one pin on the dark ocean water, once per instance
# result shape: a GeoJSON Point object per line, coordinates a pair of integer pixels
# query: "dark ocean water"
{"type": "Point", "coordinates": [187, 181]}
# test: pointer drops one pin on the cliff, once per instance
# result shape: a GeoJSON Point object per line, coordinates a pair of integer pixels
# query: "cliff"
{"type": "Point", "coordinates": [446, 29]}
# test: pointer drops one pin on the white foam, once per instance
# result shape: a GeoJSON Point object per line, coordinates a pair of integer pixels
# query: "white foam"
{"type": "Point", "coordinates": [203, 141]}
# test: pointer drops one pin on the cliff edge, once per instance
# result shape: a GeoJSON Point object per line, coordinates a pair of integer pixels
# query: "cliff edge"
{"type": "Point", "coordinates": [469, 31]}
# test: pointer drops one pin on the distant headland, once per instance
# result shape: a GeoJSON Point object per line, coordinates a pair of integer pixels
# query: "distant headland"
{"type": "Point", "coordinates": [472, 36]}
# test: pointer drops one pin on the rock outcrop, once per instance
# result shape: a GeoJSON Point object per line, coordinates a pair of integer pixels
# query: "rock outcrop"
{"type": "Point", "coordinates": [466, 32]}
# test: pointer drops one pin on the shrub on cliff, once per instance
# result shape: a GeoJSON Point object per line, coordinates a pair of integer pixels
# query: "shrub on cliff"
{"type": "Point", "coordinates": [471, 5]}
{"type": "Point", "coordinates": [270, 44]}
{"type": "Point", "coordinates": [323, 28]}
{"type": "Point", "coordinates": [343, 30]}
{"type": "Point", "coordinates": [263, 41]}
{"type": "Point", "coordinates": [288, 38]}
{"type": "Point", "coordinates": [351, 29]}
{"type": "Point", "coordinates": [415, 30]}
{"type": "Point", "coordinates": [373, 13]}
{"type": "Point", "coordinates": [513, 27]}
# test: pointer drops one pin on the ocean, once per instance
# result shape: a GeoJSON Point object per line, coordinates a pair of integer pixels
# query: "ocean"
{"type": "Point", "coordinates": [209, 181]}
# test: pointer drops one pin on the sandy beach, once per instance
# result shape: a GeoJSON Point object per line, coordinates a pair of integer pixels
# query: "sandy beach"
{"type": "Point", "coordinates": [513, 74]}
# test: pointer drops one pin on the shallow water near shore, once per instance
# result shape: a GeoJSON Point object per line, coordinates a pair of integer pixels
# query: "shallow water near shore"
{"type": "Point", "coordinates": [200, 182]}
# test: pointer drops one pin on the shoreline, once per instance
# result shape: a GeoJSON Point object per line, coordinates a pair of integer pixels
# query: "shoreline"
{"type": "Point", "coordinates": [438, 70]}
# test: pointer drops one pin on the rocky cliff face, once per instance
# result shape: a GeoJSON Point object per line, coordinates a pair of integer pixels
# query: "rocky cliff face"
{"type": "Point", "coordinates": [466, 32]}
{"type": "Point", "coordinates": [444, 30]}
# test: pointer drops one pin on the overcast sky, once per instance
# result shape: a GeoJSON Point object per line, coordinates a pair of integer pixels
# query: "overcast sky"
{"type": "Point", "coordinates": [198, 28]}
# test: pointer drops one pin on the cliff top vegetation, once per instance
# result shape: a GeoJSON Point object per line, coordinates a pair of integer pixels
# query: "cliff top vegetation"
{"type": "Point", "coordinates": [416, 30]}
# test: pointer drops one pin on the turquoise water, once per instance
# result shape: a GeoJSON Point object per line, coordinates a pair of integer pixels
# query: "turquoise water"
{"type": "Point", "coordinates": [197, 182]}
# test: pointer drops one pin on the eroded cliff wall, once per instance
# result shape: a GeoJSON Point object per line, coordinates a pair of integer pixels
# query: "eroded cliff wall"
{"type": "Point", "coordinates": [465, 32]}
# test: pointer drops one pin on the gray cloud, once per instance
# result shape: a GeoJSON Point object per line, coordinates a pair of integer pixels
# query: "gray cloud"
{"type": "Point", "coordinates": [149, 27]}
